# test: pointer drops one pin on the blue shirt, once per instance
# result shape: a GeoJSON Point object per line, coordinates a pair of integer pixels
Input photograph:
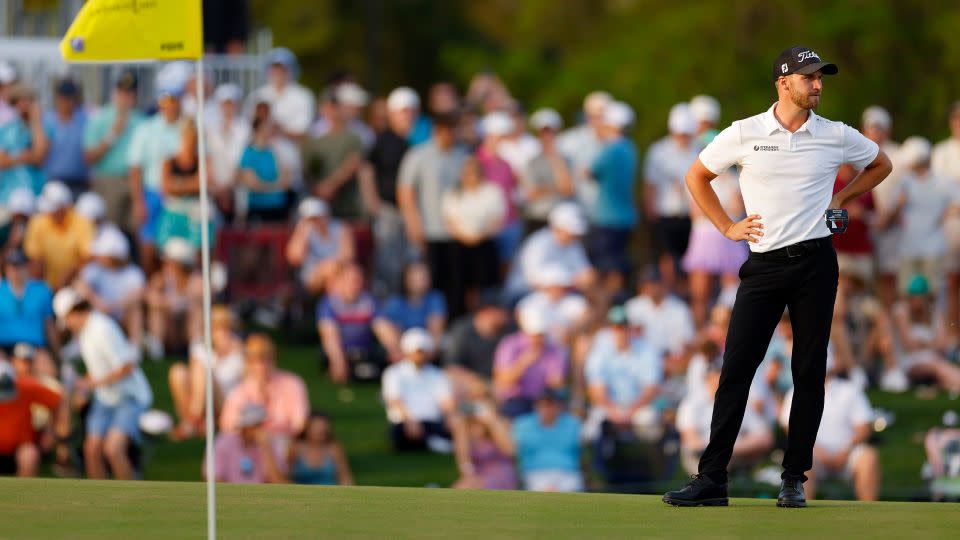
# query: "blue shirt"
{"type": "Point", "coordinates": [421, 131]}
{"type": "Point", "coordinates": [65, 159]}
{"type": "Point", "coordinates": [354, 320]}
{"type": "Point", "coordinates": [22, 320]}
{"type": "Point", "coordinates": [15, 138]}
{"type": "Point", "coordinates": [264, 166]}
{"type": "Point", "coordinates": [406, 315]}
{"type": "Point", "coordinates": [615, 171]}
{"type": "Point", "coordinates": [113, 164]}
{"type": "Point", "coordinates": [153, 142]}
{"type": "Point", "coordinates": [624, 374]}
{"type": "Point", "coordinates": [540, 447]}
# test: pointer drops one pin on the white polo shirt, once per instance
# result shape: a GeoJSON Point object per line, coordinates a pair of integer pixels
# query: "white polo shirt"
{"type": "Point", "coordinates": [423, 391]}
{"type": "Point", "coordinates": [105, 349]}
{"type": "Point", "coordinates": [845, 407]}
{"type": "Point", "coordinates": [787, 178]}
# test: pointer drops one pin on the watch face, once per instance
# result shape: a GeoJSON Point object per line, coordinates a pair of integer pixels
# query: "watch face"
{"type": "Point", "coordinates": [837, 220]}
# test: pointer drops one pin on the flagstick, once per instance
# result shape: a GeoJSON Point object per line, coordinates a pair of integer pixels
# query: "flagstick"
{"type": "Point", "coordinates": [205, 268]}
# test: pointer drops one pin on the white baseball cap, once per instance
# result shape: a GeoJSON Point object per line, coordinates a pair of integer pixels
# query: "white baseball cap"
{"type": "Point", "coordinates": [497, 124]}
{"type": "Point", "coordinates": [546, 118]}
{"type": "Point", "coordinates": [914, 150]}
{"type": "Point", "coordinates": [705, 109]}
{"type": "Point", "coordinates": [596, 102]}
{"type": "Point", "coordinates": [65, 300]}
{"type": "Point", "coordinates": [618, 114]}
{"type": "Point", "coordinates": [553, 275]}
{"type": "Point", "coordinates": [312, 207]}
{"type": "Point", "coordinates": [876, 115]}
{"type": "Point", "coordinates": [55, 196]}
{"type": "Point", "coordinates": [567, 217]}
{"type": "Point", "coordinates": [403, 97]}
{"type": "Point", "coordinates": [21, 201]}
{"type": "Point", "coordinates": [155, 422]}
{"type": "Point", "coordinates": [7, 73]}
{"type": "Point", "coordinates": [91, 206]}
{"type": "Point", "coordinates": [416, 339]}
{"type": "Point", "coordinates": [681, 120]}
{"type": "Point", "coordinates": [180, 251]}
{"type": "Point", "coordinates": [110, 242]}
{"type": "Point", "coordinates": [532, 319]}
{"type": "Point", "coordinates": [228, 92]}
{"type": "Point", "coordinates": [350, 93]}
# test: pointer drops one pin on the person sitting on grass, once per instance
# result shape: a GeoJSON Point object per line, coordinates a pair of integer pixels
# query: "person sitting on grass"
{"type": "Point", "coordinates": [26, 312]}
{"type": "Point", "coordinates": [484, 448]}
{"type": "Point", "coordinates": [547, 442]}
{"type": "Point", "coordinates": [248, 454]}
{"type": "Point", "coordinates": [418, 397]}
{"type": "Point", "coordinates": [120, 391]}
{"type": "Point", "coordinates": [350, 325]}
{"type": "Point", "coordinates": [920, 327]}
{"type": "Point", "coordinates": [318, 246]}
{"type": "Point", "coordinates": [842, 448]}
{"type": "Point", "coordinates": [470, 345]}
{"type": "Point", "coordinates": [173, 301]}
{"type": "Point", "coordinates": [317, 457]}
{"type": "Point", "coordinates": [420, 306]}
{"type": "Point", "coordinates": [19, 453]}
{"type": "Point", "coordinates": [282, 394]}
{"type": "Point", "coordinates": [57, 239]}
{"type": "Point", "coordinates": [188, 381]}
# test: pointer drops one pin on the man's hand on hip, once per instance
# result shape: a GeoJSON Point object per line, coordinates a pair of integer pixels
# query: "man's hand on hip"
{"type": "Point", "coordinates": [749, 229]}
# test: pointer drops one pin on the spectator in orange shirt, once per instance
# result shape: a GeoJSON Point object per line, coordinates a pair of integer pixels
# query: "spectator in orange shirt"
{"type": "Point", "coordinates": [18, 449]}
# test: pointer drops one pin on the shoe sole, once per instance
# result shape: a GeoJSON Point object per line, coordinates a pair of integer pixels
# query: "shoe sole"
{"type": "Point", "coordinates": [790, 504]}
{"type": "Point", "coordinates": [724, 501]}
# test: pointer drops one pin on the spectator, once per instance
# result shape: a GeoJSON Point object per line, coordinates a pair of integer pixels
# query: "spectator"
{"type": "Point", "coordinates": [842, 448]}
{"type": "Point", "coordinates": [8, 77]}
{"type": "Point", "coordinates": [350, 325]}
{"type": "Point", "coordinates": [419, 306]}
{"type": "Point", "coordinates": [113, 285]}
{"type": "Point", "coordinates": [518, 147]}
{"type": "Point", "coordinates": [57, 239]}
{"type": "Point", "coordinates": [921, 330]}
{"type": "Point", "coordinates": [484, 449]}
{"type": "Point", "coordinates": [666, 319]}
{"type": "Point", "coordinates": [706, 111]}
{"type": "Point", "coordinates": [876, 125]}
{"type": "Point", "coordinates": [23, 144]}
{"type": "Point", "coordinates": [106, 142]}
{"type": "Point", "coordinates": [693, 422]}
{"type": "Point", "coordinates": [226, 141]}
{"type": "Point", "coordinates": [426, 173]}
{"type": "Point", "coordinates": [331, 163]}
{"type": "Point", "coordinates": [92, 206]}
{"type": "Point", "coordinates": [249, 454]}
{"type": "Point", "coordinates": [548, 446]}
{"type": "Point", "coordinates": [863, 332]}
{"type": "Point", "coordinates": [418, 397]}
{"type": "Point", "coordinates": [19, 393]}
{"type": "Point", "coordinates": [854, 247]}
{"type": "Point", "coordinates": [614, 170]}
{"type": "Point", "coordinates": [120, 391]}
{"type": "Point", "coordinates": [526, 363]}
{"type": "Point", "coordinates": [26, 312]}
{"type": "Point", "coordinates": [291, 105]}
{"type": "Point", "coordinates": [945, 158]}
{"type": "Point", "coordinates": [407, 98]}
{"type": "Point", "coordinates": [567, 312]}
{"type": "Point", "coordinates": [547, 178]}
{"type": "Point", "coordinates": [559, 244]}
{"type": "Point", "coordinates": [317, 457]}
{"type": "Point", "coordinates": [267, 181]}
{"type": "Point", "coordinates": [471, 343]}
{"type": "Point", "coordinates": [173, 301]}
{"type": "Point", "coordinates": [20, 206]}
{"type": "Point", "coordinates": [180, 184]}
{"type": "Point", "coordinates": [666, 200]}
{"type": "Point", "coordinates": [319, 245]}
{"type": "Point", "coordinates": [623, 373]}
{"type": "Point", "coordinates": [474, 211]}
{"type": "Point", "coordinates": [496, 126]}
{"type": "Point", "coordinates": [282, 394]}
{"type": "Point", "coordinates": [582, 144]}
{"type": "Point", "coordinates": [154, 140]}
{"type": "Point", "coordinates": [352, 99]}
{"type": "Point", "coordinates": [65, 125]}
{"type": "Point", "coordinates": [188, 382]}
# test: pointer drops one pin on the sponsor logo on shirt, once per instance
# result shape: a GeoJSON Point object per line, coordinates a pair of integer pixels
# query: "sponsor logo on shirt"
{"type": "Point", "coordinates": [766, 148]}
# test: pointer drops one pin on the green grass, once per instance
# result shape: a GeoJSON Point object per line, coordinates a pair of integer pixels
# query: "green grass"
{"type": "Point", "coordinates": [43, 508]}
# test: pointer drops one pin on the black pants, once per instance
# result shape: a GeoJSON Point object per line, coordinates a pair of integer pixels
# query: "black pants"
{"type": "Point", "coordinates": [806, 284]}
{"type": "Point", "coordinates": [402, 443]}
{"type": "Point", "coordinates": [442, 260]}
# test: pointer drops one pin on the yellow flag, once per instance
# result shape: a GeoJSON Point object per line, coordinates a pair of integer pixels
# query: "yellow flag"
{"type": "Point", "coordinates": [129, 30]}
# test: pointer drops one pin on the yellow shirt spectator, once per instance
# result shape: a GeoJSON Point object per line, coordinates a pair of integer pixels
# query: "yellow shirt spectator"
{"type": "Point", "coordinates": [60, 241]}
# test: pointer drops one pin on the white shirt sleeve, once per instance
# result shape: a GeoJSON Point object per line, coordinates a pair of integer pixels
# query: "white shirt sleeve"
{"type": "Point", "coordinates": [858, 150]}
{"type": "Point", "coordinates": [114, 345]}
{"type": "Point", "coordinates": [391, 384]}
{"type": "Point", "coordinates": [303, 105]}
{"type": "Point", "coordinates": [686, 414]}
{"type": "Point", "coordinates": [652, 171]}
{"type": "Point", "coordinates": [723, 151]}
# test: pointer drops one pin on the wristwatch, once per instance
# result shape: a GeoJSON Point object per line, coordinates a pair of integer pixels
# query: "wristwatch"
{"type": "Point", "coordinates": [837, 220]}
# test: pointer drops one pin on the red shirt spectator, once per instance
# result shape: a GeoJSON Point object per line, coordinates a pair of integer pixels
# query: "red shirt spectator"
{"type": "Point", "coordinates": [16, 427]}
{"type": "Point", "coordinates": [856, 241]}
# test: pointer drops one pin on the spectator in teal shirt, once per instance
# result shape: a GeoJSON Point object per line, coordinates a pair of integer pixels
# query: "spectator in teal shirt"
{"type": "Point", "coordinates": [548, 446]}
{"type": "Point", "coordinates": [23, 144]}
{"type": "Point", "coordinates": [267, 182]}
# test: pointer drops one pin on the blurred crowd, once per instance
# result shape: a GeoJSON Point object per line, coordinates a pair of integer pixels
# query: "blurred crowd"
{"type": "Point", "coordinates": [492, 268]}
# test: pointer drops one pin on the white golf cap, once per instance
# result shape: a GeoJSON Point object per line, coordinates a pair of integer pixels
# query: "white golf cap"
{"type": "Point", "coordinates": [416, 339]}
{"type": "Point", "coordinates": [228, 92]}
{"type": "Point", "coordinates": [876, 115]}
{"type": "Point", "coordinates": [180, 251]}
{"type": "Point", "coordinates": [312, 207]}
{"type": "Point", "coordinates": [496, 124]}
{"type": "Point", "coordinates": [532, 319]}
{"type": "Point", "coordinates": [91, 206]}
{"type": "Point", "coordinates": [596, 102]}
{"type": "Point", "coordinates": [401, 98]}
{"type": "Point", "coordinates": [65, 300]}
{"type": "Point", "coordinates": [7, 73]}
{"type": "Point", "coordinates": [155, 422]}
{"type": "Point", "coordinates": [618, 114]}
{"type": "Point", "coordinates": [55, 196]}
{"type": "Point", "coordinates": [914, 150]}
{"type": "Point", "coordinates": [681, 120]}
{"type": "Point", "coordinates": [350, 93]}
{"type": "Point", "coordinates": [22, 202]}
{"type": "Point", "coordinates": [553, 275]}
{"type": "Point", "coordinates": [110, 242]}
{"type": "Point", "coordinates": [568, 217]}
{"type": "Point", "coordinates": [546, 118]}
{"type": "Point", "coordinates": [705, 109]}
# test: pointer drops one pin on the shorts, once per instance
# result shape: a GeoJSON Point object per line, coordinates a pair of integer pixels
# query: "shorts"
{"type": "Point", "coordinates": [116, 196]}
{"type": "Point", "coordinates": [153, 201]}
{"type": "Point", "coordinates": [607, 247]}
{"type": "Point", "coordinates": [553, 480]}
{"type": "Point", "coordinates": [672, 235]}
{"type": "Point", "coordinates": [930, 267]}
{"type": "Point", "coordinates": [174, 224]}
{"type": "Point", "coordinates": [124, 416]}
{"type": "Point", "coordinates": [847, 472]}
{"type": "Point", "coordinates": [858, 265]}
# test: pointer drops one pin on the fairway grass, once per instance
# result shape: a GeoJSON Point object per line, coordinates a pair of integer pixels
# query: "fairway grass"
{"type": "Point", "coordinates": [172, 510]}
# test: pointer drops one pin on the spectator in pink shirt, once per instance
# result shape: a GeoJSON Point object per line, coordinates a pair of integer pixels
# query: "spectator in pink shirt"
{"type": "Point", "coordinates": [496, 126]}
{"type": "Point", "coordinates": [281, 393]}
{"type": "Point", "coordinates": [249, 456]}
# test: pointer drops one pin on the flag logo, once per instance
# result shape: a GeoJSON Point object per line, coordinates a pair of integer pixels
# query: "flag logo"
{"type": "Point", "coordinates": [76, 44]}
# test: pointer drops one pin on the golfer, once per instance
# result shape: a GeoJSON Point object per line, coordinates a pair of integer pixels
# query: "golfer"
{"type": "Point", "coordinates": [788, 158]}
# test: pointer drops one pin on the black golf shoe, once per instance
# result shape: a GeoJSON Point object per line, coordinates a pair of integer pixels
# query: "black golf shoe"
{"type": "Point", "coordinates": [700, 491]}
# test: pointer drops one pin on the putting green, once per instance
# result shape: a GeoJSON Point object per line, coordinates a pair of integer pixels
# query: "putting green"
{"type": "Point", "coordinates": [44, 508]}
